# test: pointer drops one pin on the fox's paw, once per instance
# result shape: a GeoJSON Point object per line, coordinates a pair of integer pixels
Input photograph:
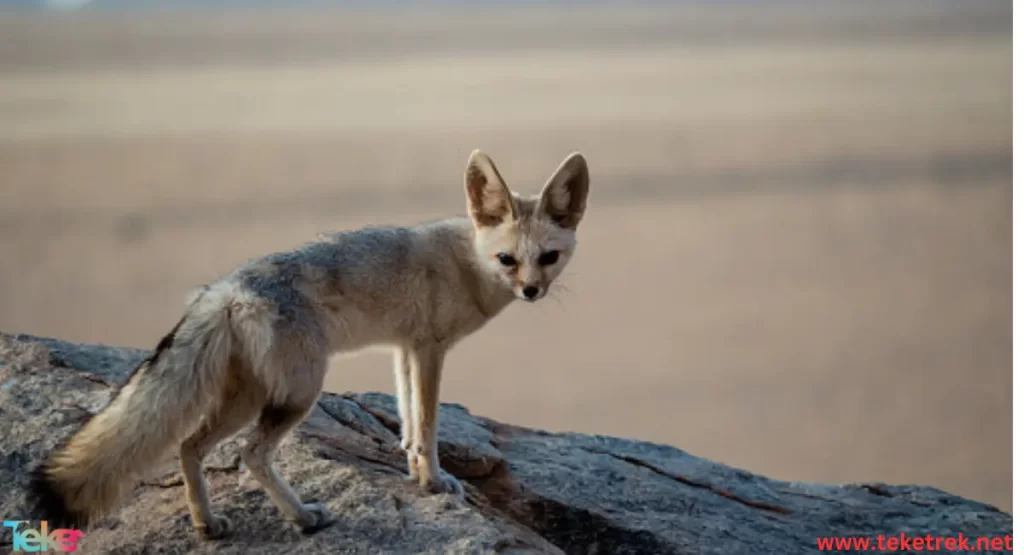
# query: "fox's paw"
{"type": "Point", "coordinates": [443, 483]}
{"type": "Point", "coordinates": [414, 467]}
{"type": "Point", "coordinates": [216, 528]}
{"type": "Point", "coordinates": [315, 517]}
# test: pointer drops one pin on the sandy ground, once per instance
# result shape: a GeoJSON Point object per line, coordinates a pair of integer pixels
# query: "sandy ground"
{"type": "Point", "coordinates": [796, 260]}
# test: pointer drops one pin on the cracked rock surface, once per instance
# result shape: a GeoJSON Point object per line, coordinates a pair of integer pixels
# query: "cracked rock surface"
{"type": "Point", "coordinates": [528, 491]}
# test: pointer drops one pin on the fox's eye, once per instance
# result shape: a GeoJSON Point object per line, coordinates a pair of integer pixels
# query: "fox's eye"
{"type": "Point", "coordinates": [506, 259]}
{"type": "Point", "coordinates": [548, 258]}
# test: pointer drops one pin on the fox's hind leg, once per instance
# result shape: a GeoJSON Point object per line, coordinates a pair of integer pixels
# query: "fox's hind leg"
{"type": "Point", "coordinates": [275, 422]}
{"type": "Point", "coordinates": [234, 413]}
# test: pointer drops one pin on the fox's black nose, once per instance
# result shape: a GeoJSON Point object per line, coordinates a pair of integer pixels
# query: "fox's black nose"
{"type": "Point", "coordinates": [530, 291]}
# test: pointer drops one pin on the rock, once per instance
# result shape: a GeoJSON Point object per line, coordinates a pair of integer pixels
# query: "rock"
{"type": "Point", "coordinates": [528, 491]}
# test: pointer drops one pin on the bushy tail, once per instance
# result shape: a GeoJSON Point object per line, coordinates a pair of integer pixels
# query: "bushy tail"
{"type": "Point", "coordinates": [161, 402]}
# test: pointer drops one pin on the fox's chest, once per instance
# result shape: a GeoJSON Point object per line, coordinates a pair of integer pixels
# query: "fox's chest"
{"type": "Point", "coordinates": [451, 325]}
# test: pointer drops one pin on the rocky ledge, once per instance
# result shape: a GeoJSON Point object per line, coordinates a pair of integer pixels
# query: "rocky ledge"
{"type": "Point", "coordinates": [528, 491]}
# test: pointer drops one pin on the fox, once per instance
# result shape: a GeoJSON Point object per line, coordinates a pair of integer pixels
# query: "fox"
{"type": "Point", "coordinates": [253, 346]}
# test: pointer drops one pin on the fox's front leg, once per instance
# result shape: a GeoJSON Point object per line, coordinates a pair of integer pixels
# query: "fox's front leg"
{"type": "Point", "coordinates": [426, 386]}
{"type": "Point", "coordinates": [403, 394]}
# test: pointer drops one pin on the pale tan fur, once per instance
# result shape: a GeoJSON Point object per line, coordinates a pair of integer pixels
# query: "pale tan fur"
{"type": "Point", "coordinates": [255, 344]}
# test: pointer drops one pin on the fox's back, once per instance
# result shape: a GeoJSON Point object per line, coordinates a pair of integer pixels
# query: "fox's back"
{"type": "Point", "coordinates": [371, 285]}
{"type": "Point", "coordinates": [363, 260]}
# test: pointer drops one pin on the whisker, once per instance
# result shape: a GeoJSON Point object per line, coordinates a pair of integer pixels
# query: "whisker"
{"type": "Point", "coordinates": [556, 291]}
{"type": "Point", "coordinates": [561, 289]}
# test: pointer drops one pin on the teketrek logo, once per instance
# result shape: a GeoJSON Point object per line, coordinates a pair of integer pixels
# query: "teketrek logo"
{"type": "Point", "coordinates": [30, 541]}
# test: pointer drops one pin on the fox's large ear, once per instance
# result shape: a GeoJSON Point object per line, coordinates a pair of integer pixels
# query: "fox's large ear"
{"type": "Point", "coordinates": [564, 198]}
{"type": "Point", "coordinates": [487, 197]}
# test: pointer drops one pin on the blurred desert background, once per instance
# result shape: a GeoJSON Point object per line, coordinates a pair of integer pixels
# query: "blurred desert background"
{"type": "Point", "coordinates": [796, 258]}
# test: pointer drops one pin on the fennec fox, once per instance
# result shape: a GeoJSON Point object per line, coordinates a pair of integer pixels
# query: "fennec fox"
{"type": "Point", "coordinates": [255, 345]}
